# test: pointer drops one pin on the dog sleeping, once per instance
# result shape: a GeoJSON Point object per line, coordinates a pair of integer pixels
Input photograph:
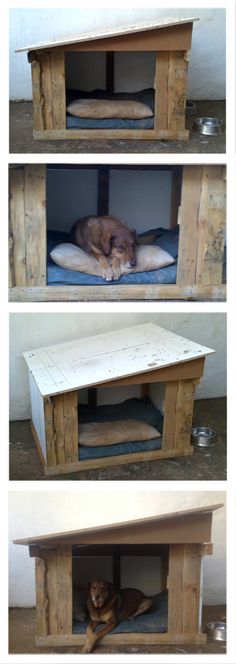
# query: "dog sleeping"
{"type": "Point", "coordinates": [106, 605]}
{"type": "Point", "coordinates": [109, 240]}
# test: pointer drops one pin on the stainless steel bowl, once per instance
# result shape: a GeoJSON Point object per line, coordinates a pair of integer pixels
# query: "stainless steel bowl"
{"type": "Point", "coordinates": [203, 437]}
{"type": "Point", "coordinates": [208, 126]}
{"type": "Point", "coordinates": [216, 631]}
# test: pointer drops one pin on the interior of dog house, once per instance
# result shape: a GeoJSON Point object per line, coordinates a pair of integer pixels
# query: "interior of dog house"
{"type": "Point", "coordinates": [126, 82]}
{"type": "Point", "coordinates": [178, 213]}
{"type": "Point", "coordinates": [119, 397]}
{"type": "Point", "coordinates": [160, 555]}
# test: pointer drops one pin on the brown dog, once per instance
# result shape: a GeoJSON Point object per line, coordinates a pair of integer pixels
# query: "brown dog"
{"type": "Point", "coordinates": [105, 605]}
{"type": "Point", "coordinates": [110, 241]}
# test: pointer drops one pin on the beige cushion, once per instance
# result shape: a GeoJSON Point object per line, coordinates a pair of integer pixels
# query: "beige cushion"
{"type": "Point", "coordinates": [93, 434]}
{"type": "Point", "coordinates": [71, 257]}
{"type": "Point", "coordinates": [104, 108]}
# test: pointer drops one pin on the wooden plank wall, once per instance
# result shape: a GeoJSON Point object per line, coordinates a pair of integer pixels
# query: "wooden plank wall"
{"type": "Point", "coordinates": [61, 426]}
{"type": "Point", "coordinates": [171, 89]}
{"type": "Point", "coordinates": [178, 413]}
{"type": "Point", "coordinates": [49, 95]}
{"type": "Point", "coordinates": [27, 227]}
{"type": "Point", "coordinates": [54, 591]}
{"type": "Point", "coordinates": [184, 583]}
{"type": "Point", "coordinates": [202, 226]}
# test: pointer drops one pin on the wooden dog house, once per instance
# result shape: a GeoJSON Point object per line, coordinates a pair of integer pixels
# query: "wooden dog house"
{"type": "Point", "coordinates": [181, 539]}
{"type": "Point", "coordinates": [197, 206]}
{"type": "Point", "coordinates": [139, 355]}
{"type": "Point", "coordinates": [170, 39]}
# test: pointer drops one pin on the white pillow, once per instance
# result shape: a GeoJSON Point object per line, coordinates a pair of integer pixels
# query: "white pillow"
{"type": "Point", "coordinates": [109, 108]}
{"type": "Point", "coordinates": [71, 257]}
{"type": "Point", "coordinates": [93, 434]}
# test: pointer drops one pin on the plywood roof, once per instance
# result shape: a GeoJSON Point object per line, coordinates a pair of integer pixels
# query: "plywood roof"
{"type": "Point", "coordinates": [129, 531]}
{"type": "Point", "coordinates": [109, 32]}
{"type": "Point", "coordinates": [105, 357]}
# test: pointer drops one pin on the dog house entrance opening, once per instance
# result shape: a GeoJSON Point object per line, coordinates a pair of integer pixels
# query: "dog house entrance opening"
{"type": "Point", "coordinates": [113, 90]}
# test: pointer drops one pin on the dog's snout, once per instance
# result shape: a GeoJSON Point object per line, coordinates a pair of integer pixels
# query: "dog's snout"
{"type": "Point", "coordinates": [132, 262]}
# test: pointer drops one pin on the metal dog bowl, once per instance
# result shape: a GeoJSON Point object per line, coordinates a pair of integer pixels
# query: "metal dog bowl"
{"type": "Point", "coordinates": [217, 631]}
{"type": "Point", "coordinates": [203, 437]}
{"type": "Point", "coordinates": [190, 108]}
{"type": "Point", "coordinates": [208, 126]}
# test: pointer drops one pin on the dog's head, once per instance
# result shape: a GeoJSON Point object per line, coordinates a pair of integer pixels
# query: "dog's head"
{"type": "Point", "coordinates": [100, 592]}
{"type": "Point", "coordinates": [122, 245]}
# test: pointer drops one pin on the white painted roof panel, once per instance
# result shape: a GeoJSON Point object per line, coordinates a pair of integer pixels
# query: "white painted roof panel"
{"type": "Point", "coordinates": [105, 357]}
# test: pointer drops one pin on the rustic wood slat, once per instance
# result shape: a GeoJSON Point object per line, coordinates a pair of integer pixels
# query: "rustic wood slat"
{"type": "Point", "coordinates": [184, 588]}
{"type": "Point", "coordinates": [175, 588]}
{"type": "Point", "coordinates": [51, 562]}
{"type": "Point", "coordinates": [58, 403]}
{"type": "Point", "coordinates": [58, 90]}
{"type": "Point", "coordinates": [38, 101]}
{"type": "Point", "coordinates": [71, 432]}
{"type": "Point", "coordinates": [211, 227]}
{"type": "Point", "coordinates": [64, 589]}
{"type": "Point", "coordinates": [184, 413]}
{"type": "Point", "coordinates": [177, 87]}
{"type": "Point", "coordinates": [41, 597]}
{"type": "Point", "coordinates": [35, 225]}
{"type": "Point", "coordinates": [188, 233]}
{"type": "Point", "coordinates": [168, 435]}
{"type": "Point", "coordinates": [45, 59]}
{"type": "Point", "coordinates": [161, 92]}
{"type": "Point", "coordinates": [120, 460]}
{"type": "Point", "coordinates": [17, 239]}
{"type": "Point", "coordinates": [50, 432]}
{"type": "Point", "coordinates": [184, 292]}
{"type": "Point", "coordinates": [125, 639]}
{"type": "Point", "coordinates": [102, 134]}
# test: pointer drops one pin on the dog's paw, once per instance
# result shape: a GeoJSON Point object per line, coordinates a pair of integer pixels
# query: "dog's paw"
{"type": "Point", "coordinates": [87, 648]}
{"type": "Point", "coordinates": [108, 274]}
{"type": "Point", "coordinates": [116, 273]}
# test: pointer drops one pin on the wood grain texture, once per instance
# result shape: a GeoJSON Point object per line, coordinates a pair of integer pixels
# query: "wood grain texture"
{"type": "Point", "coordinates": [35, 225]}
{"type": "Point", "coordinates": [103, 134]}
{"type": "Point", "coordinates": [211, 226]}
{"type": "Point", "coordinates": [184, 588]}
{"type": "Point", "coordinates": [46, 80]}
{"type": "Point", "coordinates": [184, 292]}
{"type": "Point", "coordinates": [177, 90]}
{"type": "Point", "coordinates": [42, 621]}
{"type": "Point", "coordinates": [58, 90]}
{"type": "Point", "coordinates": [38, 100]}
{"type": "Point", "coordinates": [188, 231]}
{"type": "Point", "coordinates": [126, 639]}
{"type": "Point", "coordinates": [17, 234]}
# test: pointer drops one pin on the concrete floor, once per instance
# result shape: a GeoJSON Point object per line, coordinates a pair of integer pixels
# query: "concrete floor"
{"type": "Point", "coordinates": [22, 627]}
{"type": "Point", "coordinates": [21, 138]}
{"type": "Point", "coordinates": [207, 464]}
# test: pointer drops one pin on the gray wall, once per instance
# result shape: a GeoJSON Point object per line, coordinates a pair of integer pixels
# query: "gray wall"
{"type": "Point", "coordinates": [141, 198]}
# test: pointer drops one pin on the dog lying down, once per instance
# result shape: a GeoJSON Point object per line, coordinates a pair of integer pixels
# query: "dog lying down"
{"type": "Point", "coordinates": [147, 258]}
{"type": "Point", "coordinates": [106, 605]}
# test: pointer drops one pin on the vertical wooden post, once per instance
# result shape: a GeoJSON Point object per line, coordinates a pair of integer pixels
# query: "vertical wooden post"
{"type": "Point", "coordinates": [61, 428]}
{"type": "Point", "coordinates": [184, 582]}
{"type": "Point", "coordinates": [103, 191]}
{"type": "Point", "coordinates": [144, 390]}
{"type": "Point", "coordinates": [110, 71]}
{"type": "Point", "coordinates": [42, 617]}
{"type": "Point", "coordinates": [178, 413]}
{"type": "Point", "coordinates": [58, 89]}
{"type": "Point", "coordinates": [35, 224]}
{"type": "Point", "coordinates": [175, 194]}
{"type": "Point", "coordinates": [188, 219]}
{"type": "Point", "coordinates": [211, 227]}
{"type": "Point", "coordinates": [17, 236]}
{"type": "Point", "coordinates": [54, 591]}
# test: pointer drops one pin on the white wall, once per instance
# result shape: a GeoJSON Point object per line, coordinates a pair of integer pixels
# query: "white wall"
{"type": "Point", "coordinates": [41, 512]}
{"type": "Point", "coordinates": [141, 198]}
{"type": "Point", "coordinates": [29, 331]}
{"type": "Point", "coordinates": [207, 60]}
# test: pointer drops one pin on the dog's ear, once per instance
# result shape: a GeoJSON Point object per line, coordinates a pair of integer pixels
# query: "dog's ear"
{"type": "Point", "coordinates": [106, 242]}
